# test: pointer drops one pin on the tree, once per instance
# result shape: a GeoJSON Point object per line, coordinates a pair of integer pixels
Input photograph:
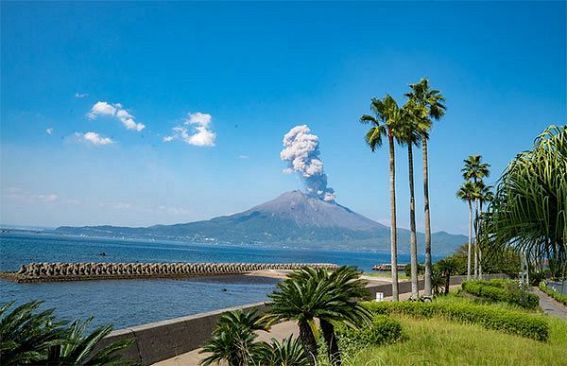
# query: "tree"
{"type": "Point", "coordinates": [385, 122]}
{"type": "Point", "coordinates": [310, 293]}
{"type": "Point", "coordinates": [431, 103]}
{"type": "Point", "coordinates": [30, 337]}
{"type": "Point", "coordinates": [233, 340]}
{"type": "Point", "coordinates": [529, 210]}
{"type": "Point", "coordinates": [409, 135]}
{"type": "Point", "coordinates": [447, 266]}
{"type": "Point", "coordinates": [476, 171]}
{"type": "Point", "coordinates": [466, 193]}
{"type": "Point", "coordinates": [483, 195]}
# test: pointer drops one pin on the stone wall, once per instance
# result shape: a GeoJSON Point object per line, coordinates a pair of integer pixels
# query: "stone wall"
{"type": "Point", "coordinates": [166, 339]}
{"type": "Point", "coordinates": [48, 272]}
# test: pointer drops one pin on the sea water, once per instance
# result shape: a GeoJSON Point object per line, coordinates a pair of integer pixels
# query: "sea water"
{"type": "Point", "coordinates": [125, 303]}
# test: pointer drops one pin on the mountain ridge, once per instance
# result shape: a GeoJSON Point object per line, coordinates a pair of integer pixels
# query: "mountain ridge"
{"type": "Point", "coordinates": [292, 219]}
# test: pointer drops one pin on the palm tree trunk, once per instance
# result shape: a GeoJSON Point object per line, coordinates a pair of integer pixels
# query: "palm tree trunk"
{"type": "Point", "coordinates": [333, 351]}
{"type": "Point", "coordinates": [480, 242]}
{"type": "Point", "coordinates": [428, 264]}
{"type": "Point", "coordinates": [393, 225]}
{"type": "Point", "coordinates": [476, 240]}
{"type": "Point", "coordinates": [470, 243]}
{"type": "Point", "coordinates": [309, 341]}
{"type": "Point", "coordinates": [413, 236]}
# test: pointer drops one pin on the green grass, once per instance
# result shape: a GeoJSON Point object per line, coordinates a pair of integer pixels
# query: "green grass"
{"type": "Point", "coordinates": [386, 274]}
{"type": "Point", "coordinates": [554, 294]}
{"type": "Point", "coordinates": [441, 342]}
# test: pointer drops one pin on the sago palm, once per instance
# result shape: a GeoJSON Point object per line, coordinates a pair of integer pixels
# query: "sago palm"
{"type": "Point", "coordinates": [233, 340]}
{"type": "Point", "coordinates": [431, 103]}
{"type": "Point", "coordinates": [385, 121]}
{"type": "Point", "coordinates": [310, 294]}
{"type": "Point", "coordinates": [288, 352]}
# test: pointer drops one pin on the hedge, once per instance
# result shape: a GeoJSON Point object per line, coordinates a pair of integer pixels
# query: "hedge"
{"type": "Point", "coordinates": [489, 317]}
{"type": "Point", "coordinates": [554, 294]}
{"type": "Point", "coordinates": [502, 290]}
{"type": "Point", "coordinates": [382, 330]}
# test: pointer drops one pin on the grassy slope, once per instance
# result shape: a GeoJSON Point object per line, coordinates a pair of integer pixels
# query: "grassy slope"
{"type": "Point", "coordinates": [445, 343]}
{"type": "Point", "coordinates": [440, 342]}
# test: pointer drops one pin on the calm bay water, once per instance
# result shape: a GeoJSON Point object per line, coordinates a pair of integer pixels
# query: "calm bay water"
{"type": "Point", "coordinates": [132, 302]}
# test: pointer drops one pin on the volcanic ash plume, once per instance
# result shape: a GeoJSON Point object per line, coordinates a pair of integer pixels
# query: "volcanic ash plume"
{"type": "Point", "coordinates": [301, 150]}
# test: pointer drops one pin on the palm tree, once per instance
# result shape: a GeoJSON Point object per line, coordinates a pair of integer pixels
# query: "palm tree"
{"type": "Point", "coordinates": [29, 337]}
{"type": "Point", "coordinates": [233, 339]}
{"type": "Point", "coordinates": [484, 195]}
{"type": "Point", "coordinates": [310, 293]}
{"type": "Point", "coordinates": [447, 266]}
{"type": "Point", "coordinates": [476, 171]}
{"type": "Point", "coordinates": [385, 122]}
{"type": "Point", "coordinates": [410, 125]}
{"type": "Point", "coordinates": [529, 210]}
{"type": "Point", "coordinates": [431, 103]}
{"type": "Point", "coordinates": [466, 193]}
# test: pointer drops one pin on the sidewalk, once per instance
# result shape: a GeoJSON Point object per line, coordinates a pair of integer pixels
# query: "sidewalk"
{"type": "Point", "coordinates": [550, 306]}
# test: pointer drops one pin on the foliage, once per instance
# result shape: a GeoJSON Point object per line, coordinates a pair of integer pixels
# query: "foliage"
{"type": "Point", "coordinates": [441, 342]}
{"type": "Point", "coordinates": [529, 210]}
{"type": "Point", "coordinates": [289, 352]}
{"type": "Point", "coordinates": [490, 317]}
{"type": "Point", "coordinates": [502, 290]}
{"type": "Point", "coordinates": [554, 294]}
{"type": "Point", "coordinates": [317, 293]}
{"type": "Point", "coordinates": [382, 330]}
{"type": "Point", "coordinates": [233, 340]}
{"type": "Point", "coordinates": [504, 260]}
{"type": "Point", "coordinates": [28, 336]}
{"type": "Point", "coordinates": [420, 270]}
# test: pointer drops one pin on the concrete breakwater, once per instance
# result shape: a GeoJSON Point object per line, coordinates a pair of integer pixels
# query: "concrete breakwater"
{"type": "Point", "coordinates": [53, 272]}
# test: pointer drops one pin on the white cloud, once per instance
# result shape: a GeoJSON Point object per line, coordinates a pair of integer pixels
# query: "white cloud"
{"type": "Point", "coordinates": [94, 138]}
{"type": "Point", "coordinates": [243, 156]}
{"type": "Point", "coordinates": [116, 110]}
{"type": "Point", "coordinates": [81, 95]}
{"type": "Point", "coordinates": [19, 195]}
{"type": "Point", "coordinates": [49, 130]}
{"type": "Point", "coordinates": [195, 130]}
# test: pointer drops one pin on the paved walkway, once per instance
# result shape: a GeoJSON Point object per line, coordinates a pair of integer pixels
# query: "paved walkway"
{"type": "Point", "coordinates": [551, 306]}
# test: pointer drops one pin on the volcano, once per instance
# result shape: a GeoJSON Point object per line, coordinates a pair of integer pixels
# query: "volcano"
{"type": "Point", "coordinates": [292, 219]}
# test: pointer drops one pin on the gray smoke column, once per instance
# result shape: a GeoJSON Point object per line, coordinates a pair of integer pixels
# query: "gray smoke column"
{"type": "Point", "coordinates": [301, 151]}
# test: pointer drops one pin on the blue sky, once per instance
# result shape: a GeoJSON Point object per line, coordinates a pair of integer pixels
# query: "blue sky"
{"type": "Point", "coordinates": [244, 74]}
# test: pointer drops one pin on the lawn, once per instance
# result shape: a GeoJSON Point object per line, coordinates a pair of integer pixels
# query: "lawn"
{"type": "Point", "coordinates": [441, 342]}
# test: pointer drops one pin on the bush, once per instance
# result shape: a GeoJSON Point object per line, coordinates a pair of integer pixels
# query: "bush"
{"type": "Point", "coordinates": [382, 330]}
{"type": "Point", "coordinates": [554, 294]}
{"type": "Point", "coordinates": [489, 317]}
{"type": "Point", "coordinates": [502, 290]}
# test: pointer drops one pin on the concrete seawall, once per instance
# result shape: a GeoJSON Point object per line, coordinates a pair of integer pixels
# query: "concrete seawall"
{"type": "Point", "coordinates": [158, 341]}
{"type": "Point", "coordinates": [57, 272]}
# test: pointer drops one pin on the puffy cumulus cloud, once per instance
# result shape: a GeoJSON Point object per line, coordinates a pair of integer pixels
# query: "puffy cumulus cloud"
{"type": "Point", "coordinates": [116, 110]}
{"type": "Point", "coordinates": [93, 138]}
{"type": "Point", "coordinates": [196, 130]}
{"type": "Point", "coordinates": [301, 151]}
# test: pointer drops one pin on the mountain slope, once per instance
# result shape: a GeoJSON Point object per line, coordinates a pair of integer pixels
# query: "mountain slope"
{"type": "Point", "coordinates": [294, 218]}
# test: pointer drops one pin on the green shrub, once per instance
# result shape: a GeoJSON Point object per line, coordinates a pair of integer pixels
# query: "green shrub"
{"type": "Point", "coordinates": [490, 317]}
{"type": "Point", "coordinates": [554, 294]}
{"type": "Point", "coordinates": [502, 290]}
{"type": "Point", "coordinates": [382, 330]}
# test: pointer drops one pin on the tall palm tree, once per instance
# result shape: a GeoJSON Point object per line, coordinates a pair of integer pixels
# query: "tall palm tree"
{"type": "Point", "coordinates": [409, 135]}
{"type": "Point", "coordinates": [385, 122]}
{"type": "Point", "coordinates": [484, 195]}
{"type": "Point", "coordinates": [467, 193]}
{"type": "Point", "coordinates": [431, 102]}
{"type": "Point", "coordinates": [310, 293]}
{"type": "Point", "coordinates": [476, 171]}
